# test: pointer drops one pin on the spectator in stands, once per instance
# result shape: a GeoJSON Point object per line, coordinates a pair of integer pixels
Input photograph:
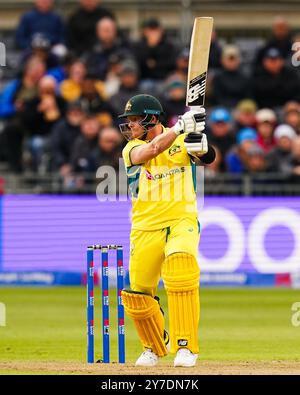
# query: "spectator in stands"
{"type": "Point", "coordinates": [237, 157]}
{"type": "Point", "coordinates": [173, 101]}
{"type": "Point", "coordinates": [281, 40]}
{"type": "Point", "coordinates": [230, 85]}
{"type": "Point", "coordinates": [40, 46]}
{"type": "Point", "coordinates": [212, 170]}
{"type": "Point", "coordinates": [41, 19]}
{"type": "Point", "coordinates": [112, 80]}
{"type": "Point", "coordinates": [215, 53]}
{"type": "Point", "coordinates": [155, 55]}
{"type": "Point", "coordinates": [71, 88]}
{"type": "Point", "coordinates": [109, 42]}
{"type": "Point", "coordinates": [94, 102]}
{"type": "Point", "coordinates": [63, 135]}
{"type": "Point", "coordinates": [220, 132]}
{"type": "Point", "coordinates": [39, 117]}
{"type": "Point", "coordinates": [81, 27]}
{"type": "Point", "coordinates": [12, 105]}
{"type": "Point", "coordinates": [244, 114]}
{"type": "Point", "coordinates": [296, 159]}
{"type": "Point", "coordinates": [280, 157]}
{"type": "Point", "coordinates": [256, 161]}
{"type": "Point", "coordinates": [108, 151]}
{"type": "Point", "coordinates": [291, 114]}
{"type": "Point", "coordinates": [181, 66]}
{"type": "Point", "coordinates": [274, 83]}
{"type": "Point", "coordinates": [84, 144]}
{"type": "Point", "coordinates": [129, 86]}
{"type": "Point", "coordinates": [265, 125]}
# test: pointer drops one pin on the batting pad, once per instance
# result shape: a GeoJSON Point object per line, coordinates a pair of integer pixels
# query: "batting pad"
{"type": "Point", "coordinates": [148, 319]}
{"type": "Point", "coordinates": [180, 273]}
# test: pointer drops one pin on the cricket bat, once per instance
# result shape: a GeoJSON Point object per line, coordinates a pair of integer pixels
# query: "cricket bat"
{"type": "Point", "coordinates": [198, 61]}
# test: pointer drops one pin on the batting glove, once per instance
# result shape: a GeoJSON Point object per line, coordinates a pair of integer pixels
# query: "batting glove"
{"type": "Point", "coordinates": [192, 121]}
{"type": "Point", "coordinates": [196, 144]}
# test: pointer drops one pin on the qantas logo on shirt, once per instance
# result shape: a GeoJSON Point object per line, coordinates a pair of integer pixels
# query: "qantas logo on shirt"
{"type": "Point", "coordinates": [149, 176]}
{"type": "Point", "coordinates": [159, 176]}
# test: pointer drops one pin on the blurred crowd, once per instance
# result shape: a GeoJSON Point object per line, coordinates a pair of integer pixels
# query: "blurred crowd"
{"type": "Point", "coordinates": [75, 76]}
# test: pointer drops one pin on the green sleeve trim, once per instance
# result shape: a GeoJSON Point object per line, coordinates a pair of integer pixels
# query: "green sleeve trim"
{"type": "Point", "coordinates": [193, 165]}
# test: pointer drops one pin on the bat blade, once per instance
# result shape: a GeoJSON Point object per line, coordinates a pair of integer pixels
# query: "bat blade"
{"type": "Point", "coordinates": [198, 61]}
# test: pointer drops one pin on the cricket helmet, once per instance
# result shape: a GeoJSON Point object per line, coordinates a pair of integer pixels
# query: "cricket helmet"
{"type": "Point", "coordinates": [142, 105]}
{"type": "Point", "coordinates": [145, 106]}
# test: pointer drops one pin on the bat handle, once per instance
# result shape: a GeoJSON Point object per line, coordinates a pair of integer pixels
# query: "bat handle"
{"type": "Point", "coordinates": [195, 108]}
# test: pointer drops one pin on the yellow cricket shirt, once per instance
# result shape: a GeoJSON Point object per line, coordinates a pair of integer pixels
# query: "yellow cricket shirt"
{"type": "Point", "coordinates": [163, 189]}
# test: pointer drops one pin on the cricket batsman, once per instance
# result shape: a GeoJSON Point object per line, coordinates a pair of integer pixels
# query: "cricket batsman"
{"type": "Point", "coordinates": [160, 165]}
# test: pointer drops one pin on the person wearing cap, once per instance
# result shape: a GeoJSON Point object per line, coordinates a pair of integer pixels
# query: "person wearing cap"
{"type": "Point", "coordinates": [230, 84]}
{"type": "Point", "coordinates": [81, 25]}
{"type": "Point", "coordinates": [173, 100]}
{"type": "Point", "coordinates": [220, 132]}
{"type": "Point", "coordinates": [256, 162]}
{"type": "Point", "coordinates": [63, 136]}
{"type": "Point", "coordinates": [236, 157]}
{"type": "Point", "coordinates": [291, 115]}
{"type": "Point", "coordinates": [280, 157]}
{"type": "Point", "coordinates": [129, 86]}
{"type": "Point", "coordinates": [244, 114]}
{"type": "Point", "coordinates": [181, 66]}
{"type": "Point", "coordinates": [41, 19]}
{"type": "Point", "coordinates": [40, 46]}
{"type": "Point", "coordinates": [274, 83]}
{"type": "Point", "coordinates": [154, 53]}
{"type": "Point", "coordinates": [265, 124]}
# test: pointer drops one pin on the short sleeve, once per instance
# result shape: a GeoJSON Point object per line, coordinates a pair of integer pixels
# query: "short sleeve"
{"type": "Point", "coordinates": [128, 148]}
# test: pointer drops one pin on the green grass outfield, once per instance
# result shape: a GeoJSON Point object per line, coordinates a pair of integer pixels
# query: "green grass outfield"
{"type": "Point", "coordinates": [49, 324]}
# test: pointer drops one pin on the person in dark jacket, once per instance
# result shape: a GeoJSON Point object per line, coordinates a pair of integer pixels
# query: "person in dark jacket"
{"type": "Point", "coordinates": [230, 85]}
{"type": "Point", "coordinates": [220, 132]}
{"type": "Point", "coordinates": [108, 151]}
{"type": "Point", "coordinates": [280, 157]}
{"type": "Point", "coordinates": [41, 19]}
{"type": "Point", "coordinates": [155, 55]}
{"type": "Point", "coordinates": [13, 101]}
{"type": "Point", "coordinates": [281, 39]}
{"type": "Point", "coordinates": [85, 144]}
{"type": "Point", "coordinates": [109, 43]}
{"type": "Point", "coordinates": [173, 101]}
{"type": "Point", "coordinates": [93, 102]}
{"type": "Point", "coordinates": [63, 135]}
{"type": "Point", "coordinates": [274, 84]}
{"type": "Point", "coordinates": [39, 117]}
{"type": "Point", "coordinates": [81, 27]}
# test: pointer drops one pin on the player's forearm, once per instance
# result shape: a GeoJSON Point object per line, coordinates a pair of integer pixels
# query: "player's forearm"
{"type": "Point", "coordinates": [143, 153]}
{"type": "Point", "coordinates": [163, 141]}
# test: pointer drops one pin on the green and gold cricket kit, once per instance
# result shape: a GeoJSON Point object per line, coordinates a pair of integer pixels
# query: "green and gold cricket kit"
{"type": "Point", "coordinates": [164, 239]}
